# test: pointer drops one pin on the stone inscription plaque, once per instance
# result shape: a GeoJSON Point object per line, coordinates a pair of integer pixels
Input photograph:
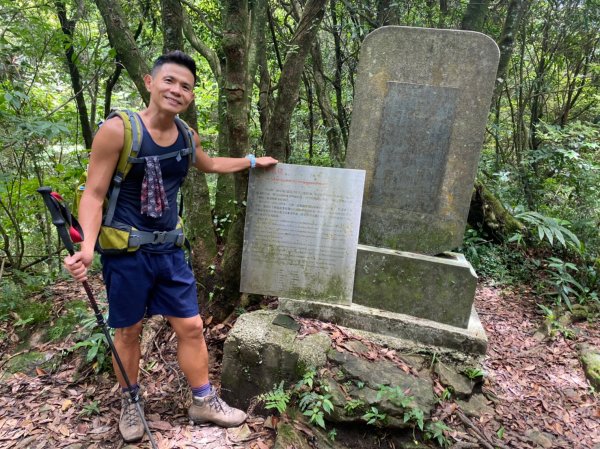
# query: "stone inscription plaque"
{"type": "Point", "coordinates": [413, 146]}
{"type": "Point", "coordinates": [301, 232]}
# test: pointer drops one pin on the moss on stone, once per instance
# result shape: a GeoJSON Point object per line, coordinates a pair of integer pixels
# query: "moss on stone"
{"type": "Point", "coordinates": [590, 359]}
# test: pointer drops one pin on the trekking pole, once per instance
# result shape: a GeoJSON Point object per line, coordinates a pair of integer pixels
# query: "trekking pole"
{"type": "Point", "coordinates": [61, 218]}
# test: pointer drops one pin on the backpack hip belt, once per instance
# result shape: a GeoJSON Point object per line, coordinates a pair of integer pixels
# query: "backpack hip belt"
{"type": "Point", "coordinates": [138, 238]}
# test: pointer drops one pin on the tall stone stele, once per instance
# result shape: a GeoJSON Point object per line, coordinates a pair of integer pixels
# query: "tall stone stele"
{"type": "Point", "coordinates": [420, 109]}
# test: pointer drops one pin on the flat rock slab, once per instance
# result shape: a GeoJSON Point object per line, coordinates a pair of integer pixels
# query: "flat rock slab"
{"type": "Point", "coordinates": [419, 114]}
{"type": "Point", "coordinates": [427, 333]}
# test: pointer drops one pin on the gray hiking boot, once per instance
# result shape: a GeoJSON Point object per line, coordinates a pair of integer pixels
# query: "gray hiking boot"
{"type": "Point", "coordinates": [213, 409]}
{"type": "Point", "coordinates": [130, 424]}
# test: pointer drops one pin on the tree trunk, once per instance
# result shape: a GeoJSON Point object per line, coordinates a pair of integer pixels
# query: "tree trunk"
{"type": "Point", "coordinates": [289, 82]}
{"type": "Point", "coordinates": [68, 26]}
{"type": "Point", "coordinates": [123, 42]}
{"type": "Point", "coordinates": [386, 13]}
{"type": "Point", "coordinates": [475, 15]}
{"type": "Point", "coordinates": [197, 213]}
{"type": "Point", "coordinates": [506, 41]}
{"type": "Point", "coordinates": [488, 215]}
{"type": "Point", "coordinates": [333, 132]}
{"type": "Point", "coordinates": [337, 82]}
{"type": "Point", "coordinates": [235, 46]}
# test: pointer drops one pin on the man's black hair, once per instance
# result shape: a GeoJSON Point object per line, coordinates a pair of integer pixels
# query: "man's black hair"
{"type": "Point", "coordinates": [175, 57]}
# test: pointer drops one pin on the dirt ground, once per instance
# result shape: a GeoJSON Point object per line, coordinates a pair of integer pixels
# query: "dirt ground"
{"type": "Point", "coordinates": [540, 395]}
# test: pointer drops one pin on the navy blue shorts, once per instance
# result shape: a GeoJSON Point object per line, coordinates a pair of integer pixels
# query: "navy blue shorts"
{"type": "Point", "coordinates": [142, 284]}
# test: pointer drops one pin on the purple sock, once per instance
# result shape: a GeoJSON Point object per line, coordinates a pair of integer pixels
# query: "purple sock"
{"type": "Point", "coordinates": [201, 391]}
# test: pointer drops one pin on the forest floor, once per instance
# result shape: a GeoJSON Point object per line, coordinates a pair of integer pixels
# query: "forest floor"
{"type": "Point", "coordinates": [540, 395]}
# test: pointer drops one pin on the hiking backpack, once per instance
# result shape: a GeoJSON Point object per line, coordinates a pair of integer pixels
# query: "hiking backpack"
{"type": "Point", "coordinates": [116, 237]}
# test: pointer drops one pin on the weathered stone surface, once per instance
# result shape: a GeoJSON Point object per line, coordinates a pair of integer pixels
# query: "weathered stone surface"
{"type": "Point", "coordinates": [590, 359]}
{"type": "Point", "coordinates": [461, 386]}
{"type": "Point", "coordinates": [441, 289]}
{"type": "Point", "coordinates": [28, 362]}
{"type": "Point", "coordinates": [476, 406]}
{"type": "Point", "coordinates": [301, 232]}
{"type": "Point", "coordinates": [288, 436]}
{"type": "Point", "coordinates": [258, 354]}
{"type": "Point", "coordinates": [419, 113]}
{"type": "Point", "coordinates": [372, 376]}
{"type": "Point", "coordinates": [426, 333]}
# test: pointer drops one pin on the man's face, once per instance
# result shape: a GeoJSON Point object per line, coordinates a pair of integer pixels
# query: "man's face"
{"type": "Point", "coordinates": [171, 87]}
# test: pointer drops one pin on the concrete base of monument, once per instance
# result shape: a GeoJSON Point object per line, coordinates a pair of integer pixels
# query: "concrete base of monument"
{"type": "Point", "coordinates": [471, 340]}
{"type": "Point", "coordinates": [264, 348]}
{"type": "Point", "coordinates": [437, 288]}
{"type": "Point", "coordinates": [258, 354]}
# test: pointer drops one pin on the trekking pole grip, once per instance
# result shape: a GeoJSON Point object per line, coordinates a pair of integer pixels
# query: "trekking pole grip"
{"type": "Point", "coordinates": [57, 218]}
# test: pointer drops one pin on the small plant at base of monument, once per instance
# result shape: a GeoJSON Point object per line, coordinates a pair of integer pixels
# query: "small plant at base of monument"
{"type": "Point", "coordinates": [277, 399]}
{"type": "Point", "coordinates": [398, 397]}
{"type": "Point", "coordinates": [474, 374]}
{"type": "Point", "coordinates": [352, 406]}
{"type": "Point", "coordinates": [437, 430]}
{"type": "Point", "coordinates": [373, 417]}
{"type": "Point", "coordinates": [313, 397]}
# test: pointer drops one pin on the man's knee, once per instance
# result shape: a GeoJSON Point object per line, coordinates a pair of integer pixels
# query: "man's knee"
{"type": "Point", "coordinates": [191, 328]}
{"type": "Point", "coordinates": [129, 335]}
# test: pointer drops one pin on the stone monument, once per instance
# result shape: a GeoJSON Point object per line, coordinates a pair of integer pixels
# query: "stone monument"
{"type": "Point", "coordinates": [420, 109]}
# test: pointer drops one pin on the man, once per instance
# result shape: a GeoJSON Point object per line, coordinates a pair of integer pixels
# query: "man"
{"type": "Point", "coordinates": [155, 279]}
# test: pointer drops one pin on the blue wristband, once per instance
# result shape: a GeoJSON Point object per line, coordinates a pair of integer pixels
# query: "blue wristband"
{"type": "Point", "coordinates": [252, 160]}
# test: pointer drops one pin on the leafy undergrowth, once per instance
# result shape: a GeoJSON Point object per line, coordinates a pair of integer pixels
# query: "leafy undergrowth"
{"type": "Point", "coordinates": [537, 385]}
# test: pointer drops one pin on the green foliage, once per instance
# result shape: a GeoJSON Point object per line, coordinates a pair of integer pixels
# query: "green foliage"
{"type": "Point", "coordinates": [500, 432]}
{"type": "Point", "coordinates": [474, 373]}
{"type": "Point", "coordinates": [277, 398]}
{"type": "Point", "coordinates": [90, 409]}
{"type": "Point", "coordinates": [353, 405]}
{"type": "Point", "coordinates": [504, 264]}
{"type": "Point", "coordinates": [93, 340]}
{"type": "Point", "coordinates": [315, 404]}
{"type": "Point", "coordinates": [97, 350]}
{"type": "Point", "coordinates": [312, 397]}
{"type": "Point", "coordinates": [307, 381]}
{"type": "Point", "coordinates": [395, 395]}
{"type": "Point", "coordinates": [399, 398]}
{"type": "Point", "coordinates": [437, 430]}
{"type": "Point", "coordinates": [65, 324]}
{"type": "Point", "coordinates": [15, 303]}
{"type": "Point", "coordinates": [549, 229]}
{"type": "Point", "coordinates": [374, 417]}
{"type": "Point", "coordinates": [563, 288]}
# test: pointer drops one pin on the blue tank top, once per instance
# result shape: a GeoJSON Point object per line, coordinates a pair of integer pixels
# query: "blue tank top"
{"type": "Point", "coordinates": [128, 208]}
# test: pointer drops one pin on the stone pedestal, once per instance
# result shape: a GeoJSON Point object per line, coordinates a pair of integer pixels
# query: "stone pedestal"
{"type": "Point", "coordinates": [427, 335]}
{"type": "Point", "coordinates": [440, 288]}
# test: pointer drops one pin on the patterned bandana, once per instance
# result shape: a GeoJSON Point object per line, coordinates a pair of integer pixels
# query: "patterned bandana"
{"type": "Point", "coordinates": [154, 199]}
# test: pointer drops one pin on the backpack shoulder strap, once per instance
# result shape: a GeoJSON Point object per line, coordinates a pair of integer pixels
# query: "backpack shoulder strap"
{"type": "Point", "coordinates": [132, 142]}
{"type": "Point", "coordinates": [188, 135]}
